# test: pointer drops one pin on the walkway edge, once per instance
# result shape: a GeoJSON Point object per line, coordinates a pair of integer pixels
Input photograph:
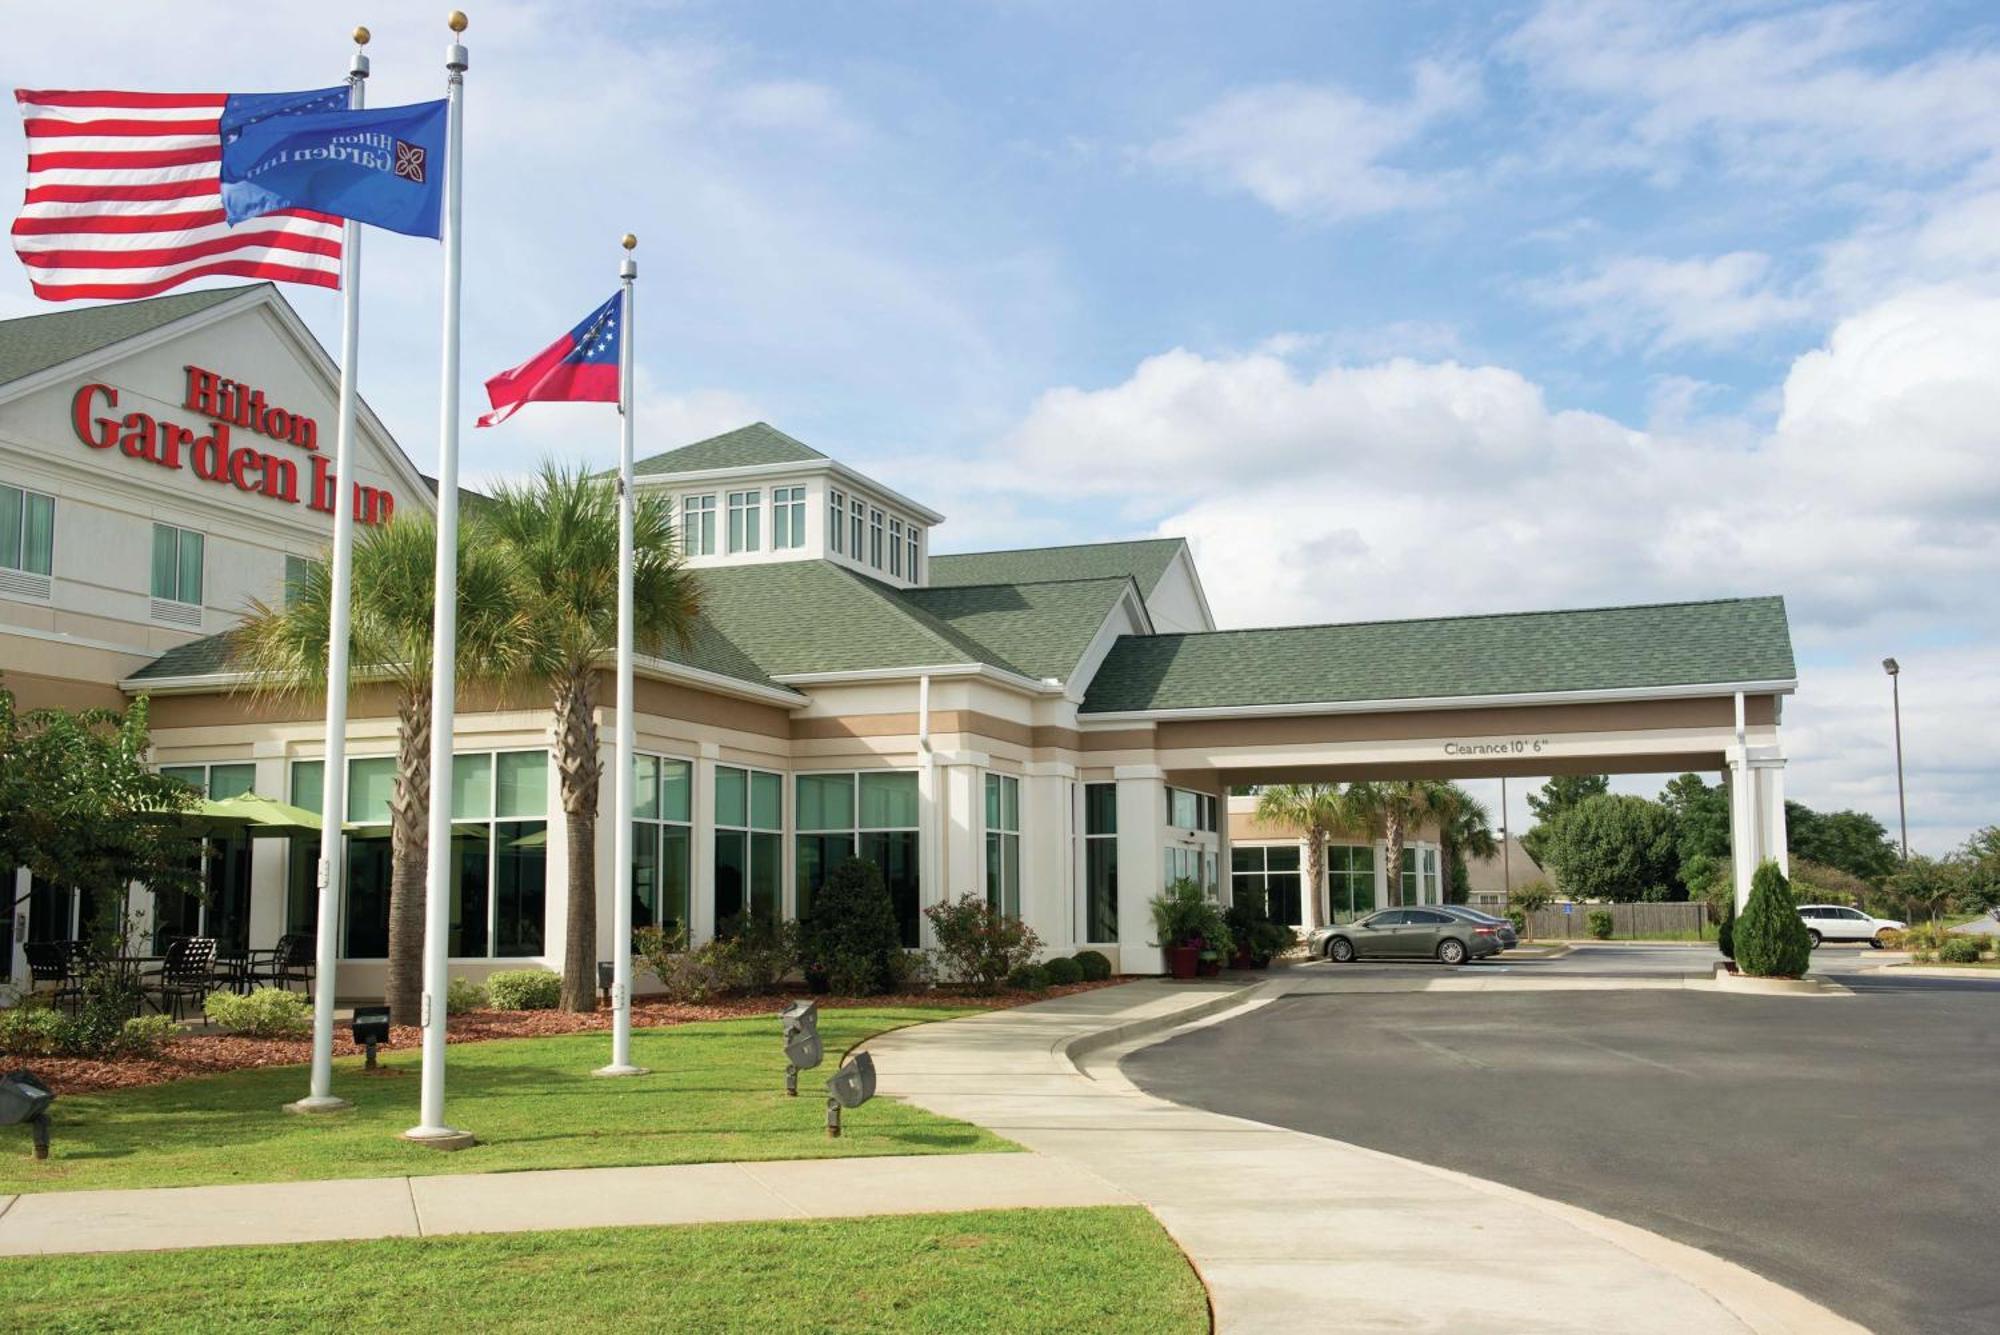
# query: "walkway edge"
{"type": "Point", "coordinates": [1071, 1050]}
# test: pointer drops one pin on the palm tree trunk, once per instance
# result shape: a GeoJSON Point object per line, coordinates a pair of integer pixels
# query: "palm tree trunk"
{"type": "Point", "coordinates": [1315, 878]}
{"type": "Point", "coordinates": [578, 772]}
{"type": "Point", "coordinates": [1392, 825]}
{"type": "Point", "coordinates": [409, 845]}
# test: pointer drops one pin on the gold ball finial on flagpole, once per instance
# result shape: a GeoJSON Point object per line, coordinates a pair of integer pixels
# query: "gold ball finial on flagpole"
{"type": "Point", "coordinates": [457, 20]}
{"type": "Point", "coordinates": [361, 36]}
{"type": "Point", "coordinates": [629, 241]}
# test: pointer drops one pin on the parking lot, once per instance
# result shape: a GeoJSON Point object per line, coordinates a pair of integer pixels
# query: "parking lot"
{"type": "Point", "coordinates": [1842, 1146]}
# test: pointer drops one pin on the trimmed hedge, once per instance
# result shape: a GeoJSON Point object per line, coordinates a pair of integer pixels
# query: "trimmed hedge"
{"type": "Point", "coordinates": [1770, 937]}
{"type": "Point", "coordinates": [1959, 950]}
{"type": "Point", "coordinates": [1029, 978]}
{"type": "Point", "coordinates": [1095, 964]}
{"type": "Point", "coordinates": [524, 989]}
{"type": "Point", "coordinates": [1063, 972]}
{"type": "Point", "coordinates": [268, 1012]}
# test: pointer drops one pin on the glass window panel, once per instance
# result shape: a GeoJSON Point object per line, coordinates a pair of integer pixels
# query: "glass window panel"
{"type": "Point", "coordinates": [732, 873]}
{"type": "Point", "coordinates": [1282, 857]}
{"type": "Point", "coordinates": [767, 801]}
{"type": "Point", "coordinates": [826, 801]}
{"type": "Point", "coordinates": [166, 561]}
{"type": "Point", "coordinates": [309, 784]}
{"type": "Point", "coordinates": [732, 797]}
{"type": "Point", "coordinates": [521, 784]}
{"type": "Point", "coordinates": [767, 867]}
{"type": "Point", "coordinates": [645, 787]}
{"type": "Point", "coordinates": [194, 776]}
{"type": "Point", "coordinates": [676, 790]}
{"type": "Point", "coordinates": [1243, 859]}
{"type": "Point", "coordinates": [472, 787]}
{"type": "Point", "coordinates": [1186, 813]}
{"type": "Point", "coordinates": [888, 800]}
{"type": "Point", "coordinates": [818, 855]}
{"type": "Point", "coordinates": [1010, 805]}
{"type": "Point", "coordinates": [12, 523]}
{"type": "Point", "coordinates": [520, 878]}
{"type": "Point", "coordinates": [1101, 890]}
{"type": "Point", "coordinates": [993, 802]}
{"type": "Point", "coordinates": [302, 885]}
{"type": "Point", "coordinates": [894, 852]}
{"type": "Point", "coordinates": [231, 780]}
{"type": "Point", "coordinates": [1100, 813]}
{"type": "Point", "coordinates": [470, 868]}
{"type": "Point", "coordinates": [645, 875]}
{"type": "Point", "coordinates": [676, 856]}
{"type": "Point", "coordinates": [190, 566]}
{"type": "Point", "coordinates": [366, 920]}
{"type": "Point", "coordinates": [370, 782]}
{"type": "Point", "coordinates": [38, 534]}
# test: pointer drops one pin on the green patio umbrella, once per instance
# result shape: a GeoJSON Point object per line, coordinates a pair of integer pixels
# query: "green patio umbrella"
{"type": "Point", "coordinates": [257, 817]}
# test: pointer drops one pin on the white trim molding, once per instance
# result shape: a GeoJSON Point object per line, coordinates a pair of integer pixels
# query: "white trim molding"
{"type": "Point", "coordinates": [1413, 703]}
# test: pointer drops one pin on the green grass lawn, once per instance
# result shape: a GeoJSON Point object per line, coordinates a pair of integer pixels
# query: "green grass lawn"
{"type": "Point", "coordinates": [1097, 1270]}
{"type": "Point", "coordinates": [716, 1093]}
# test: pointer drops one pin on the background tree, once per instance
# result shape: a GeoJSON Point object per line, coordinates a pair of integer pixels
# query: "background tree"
{"type": "Point", "coordinates": [1618, 847]}
{"type": "Point", "coordinates": [1981, 854]}
{"type": "Point", "coordinates": [1927, 885]}
{"type": "Point", "coordinates": [81, 807]}
{"type": "Point", "coordinates": [561, 534]}
{"type": "Point", "coordinates": [1558, 795]}
{"type": "Point", "coordinates": [1398, 806]}
{"type": "Point", "coordinates": [1316, 811]}
{"type": "Point", "coordinates": [1853, 841]}
{"type": "Point", "coordinates": [284, 652]}
{"type": "Point", "coordinates": [1701, 830]}
{"type": "Point", "coordinates": [1465, 830]}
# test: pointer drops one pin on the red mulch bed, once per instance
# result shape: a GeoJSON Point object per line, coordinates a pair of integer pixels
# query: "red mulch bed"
{"type": "Point", "coordinates": [201, 1053]}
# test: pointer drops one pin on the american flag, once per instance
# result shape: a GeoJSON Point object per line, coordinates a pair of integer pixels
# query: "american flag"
{"type": "Point", "coordinates": [125, 200]}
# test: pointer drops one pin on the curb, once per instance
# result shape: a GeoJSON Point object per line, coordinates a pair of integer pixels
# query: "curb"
{"type": "Point", "coordinates": [1080, 1045]}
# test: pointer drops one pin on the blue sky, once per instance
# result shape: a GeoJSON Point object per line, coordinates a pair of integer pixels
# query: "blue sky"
{"type": "Point", "coordinates": [1393, 309]}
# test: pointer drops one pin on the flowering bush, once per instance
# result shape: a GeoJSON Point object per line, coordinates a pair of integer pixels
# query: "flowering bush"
{"type": "Point", "coordinates": [978, 945]}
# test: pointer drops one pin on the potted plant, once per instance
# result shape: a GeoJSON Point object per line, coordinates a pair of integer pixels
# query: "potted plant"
{"type": "Point", "coordinates": [1258, 939]}
{"type": "Point", "coordinates": [1189, 925]}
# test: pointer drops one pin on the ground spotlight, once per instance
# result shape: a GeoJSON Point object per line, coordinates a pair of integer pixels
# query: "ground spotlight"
{"type": "Point", "coordinates": [23, 1098]}
{"type": "Point", "coordinates": [371, 1029]}
{"type": "Point", "coordinates": [802, 1045]}
{"type": "Point", "coordinates": [849, 1087]}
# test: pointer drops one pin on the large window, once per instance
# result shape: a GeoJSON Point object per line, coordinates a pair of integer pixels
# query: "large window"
{"type": "Point", "coordinates": [662, 842]}
{"type": "Point", "coordinates": [498, 864]}
{"type": "Point", "coordinates": [872, 815]}
{"type": "Point", "coordinates": [177, 561]}
{"type": "Point", "coordinates": [1003, 843]}
{"type": "Point", "coordinates": [744, 508]}
{"type": "Point", "coordinates": [916, 575]}
{"type": "Point", "coordinates": [1100, 862]}
{"type": "Point", "coordinates": [875, 538]}
{"type": "Point", "coordinates": [858, 523]}
{"type": "Point", "coordinates": [788, 518]}
{"type": "Point", "coordinates": [698, 525]}
{"type": "Point", "coordinates": [749, 847]}
{"type": "Point", "coordinates": [895, 546]}
{"type": "Point", "coordinates": [225, 871]}
{"type": "Point", "coordinates": [1419, 881]}
{"type": "Point", "coordinates": [27, 531]}
{"type": "Point", "coordinates": [1188, 810]}
{"type": "Point", "coordinates": [1266, 876]}
{"type": "Point", "coordinates": [836, 523]}
{"type": "Point", "coordinates": [1350, 881]}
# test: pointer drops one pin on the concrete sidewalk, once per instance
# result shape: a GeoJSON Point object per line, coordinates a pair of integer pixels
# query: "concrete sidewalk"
{"type": "Point", "coordinates": [1292, 1231]}
{"type": "Point", "coordinates": [167, 1218]}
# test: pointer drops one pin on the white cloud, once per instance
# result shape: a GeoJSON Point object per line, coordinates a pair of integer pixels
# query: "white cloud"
{"type": "Point", "coordinates": [1320, 152]}
{"type": "Point", "coordinates": [1672, 304]}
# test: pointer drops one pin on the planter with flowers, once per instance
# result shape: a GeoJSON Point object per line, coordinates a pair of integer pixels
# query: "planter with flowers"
{"type": "Point", "coordinates": [1191, 930]}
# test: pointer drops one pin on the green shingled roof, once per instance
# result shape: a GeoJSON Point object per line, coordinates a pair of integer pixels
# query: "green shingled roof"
{"type": "Point", "coordinates": [1610, 648]}
{"type": "Point", "coordinates": [1144, 561]}
{"type": "Point", "coordinates": [1041, 629]}
{"type": "Point", "coordinates": [37, 342]}
{"type": "Point", "coordinates": [745, 447]}
{"type": "Point", "coordinates": [196, 658]}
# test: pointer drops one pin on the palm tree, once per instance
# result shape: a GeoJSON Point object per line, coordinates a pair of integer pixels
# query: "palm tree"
{"type": "Point", "coordinates": [561, 534]}
{"type": "Point", "coordinates": [394, 593]}
{"type": "Point", "coordinates": [1465, 829]}
{"type": "Point", "coordinates": [1398, 806]}
{"type": "Point", "coordinates": [1315, 810]}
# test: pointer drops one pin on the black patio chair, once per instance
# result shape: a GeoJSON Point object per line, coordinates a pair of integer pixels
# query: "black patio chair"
{"type": "Point", "coordinates": [50, 962]}
{"type": "Point", "coordinates": [188, 971]}
{"type": "Point", "coordinates": [290, 961]}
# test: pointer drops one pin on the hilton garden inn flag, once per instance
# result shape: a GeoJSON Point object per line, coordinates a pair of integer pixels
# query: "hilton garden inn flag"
{"type": "Point", "coordinates": [384, 167]}
{"type": "Point", "coordinates": [579, 367]}
{"type": "Point", "coordinates": [124, 195]}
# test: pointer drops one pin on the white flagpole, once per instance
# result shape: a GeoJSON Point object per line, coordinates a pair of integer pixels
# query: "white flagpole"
{"type": "Point", "coordinates": [333, 784]}
{"type": "Point", "coordinates": [621, 837]}
{"type": "Point", "coordinates": [431, 1128]}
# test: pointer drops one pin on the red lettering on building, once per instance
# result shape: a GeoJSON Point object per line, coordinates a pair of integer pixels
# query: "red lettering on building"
{"type": "Point", "coordinates": [106, 433]}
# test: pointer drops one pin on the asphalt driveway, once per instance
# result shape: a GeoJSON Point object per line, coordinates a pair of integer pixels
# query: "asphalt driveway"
{"type": "Point", "coordinates": [1844, 1147]}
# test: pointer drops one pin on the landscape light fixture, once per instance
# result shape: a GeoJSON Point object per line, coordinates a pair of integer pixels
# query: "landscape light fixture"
{"type": "Point", "coordinates": [803, 1050]}
{"type": "Point", "coordinates": [606, 971]}
{"type": "Point", "coordinates": [1895, 670]}
{"type": "Point", "coordinates": [24, 1098]}
{"type": "Point", "coordinates": [849, 1087]}
{"type": "Point", "coordinates": [371, 1029]}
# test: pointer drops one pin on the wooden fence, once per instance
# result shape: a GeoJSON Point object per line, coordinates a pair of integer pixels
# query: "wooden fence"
{"type": "Point", "coordinates": [1627, 921]}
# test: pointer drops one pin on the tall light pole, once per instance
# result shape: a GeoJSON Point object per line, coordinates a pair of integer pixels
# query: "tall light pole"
{"type": "Point", "coordinates": [1894, 669]}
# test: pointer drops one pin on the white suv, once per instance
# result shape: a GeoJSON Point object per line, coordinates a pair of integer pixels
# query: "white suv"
{"type": "Point", "coordinates": [1837, 922]}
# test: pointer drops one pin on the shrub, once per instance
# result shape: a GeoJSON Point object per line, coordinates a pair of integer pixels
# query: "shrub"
{"type": "Point", "coordinates": [1183, 915]}
{"type": "Point", "coordinates": [1959, 950]}
{"type": "Point", "coordinates": [849, 934]}
{"type": "Point", "coordinates": [146, 1035]}
{"type": "Point", "coordinates": [1063, 971]}
{"type": "Point", "coordinates": [33, 1031]}
{"type": "Point", "coordinates": [1255, 934]}
{"type": "Point", "coordinates": [1519, 919]}
{"type": "Point", "coordinates": [462, 995]}
{"type": "Point", "coordinates": [1534, 895]}
{"type": "Point", "coordinates": [1029, 978]}
{"type": "Point", "coordinates": [978, 945]}
{"type": "Point", "coordinates": [1096, 966]}
{"type": "Point", "coordinates": [752, 955]}
{"type": "Point", "coordinates": [688, 976]}
{"type": "Point", "coordinates": [912, 971]}
{"type": "Point", "coordinates": [1922, 936]}
{"type": "Point", "coordinates": [1725, 928]}
{"type": "Point", "coordinates": [524, 989]}
{"type": "Point", "coordinates": [1600, 924]}
{"type": "Point", "coordinates": [1770, 937]}
{"type": "Point", "coordinates": [268, 1012]}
